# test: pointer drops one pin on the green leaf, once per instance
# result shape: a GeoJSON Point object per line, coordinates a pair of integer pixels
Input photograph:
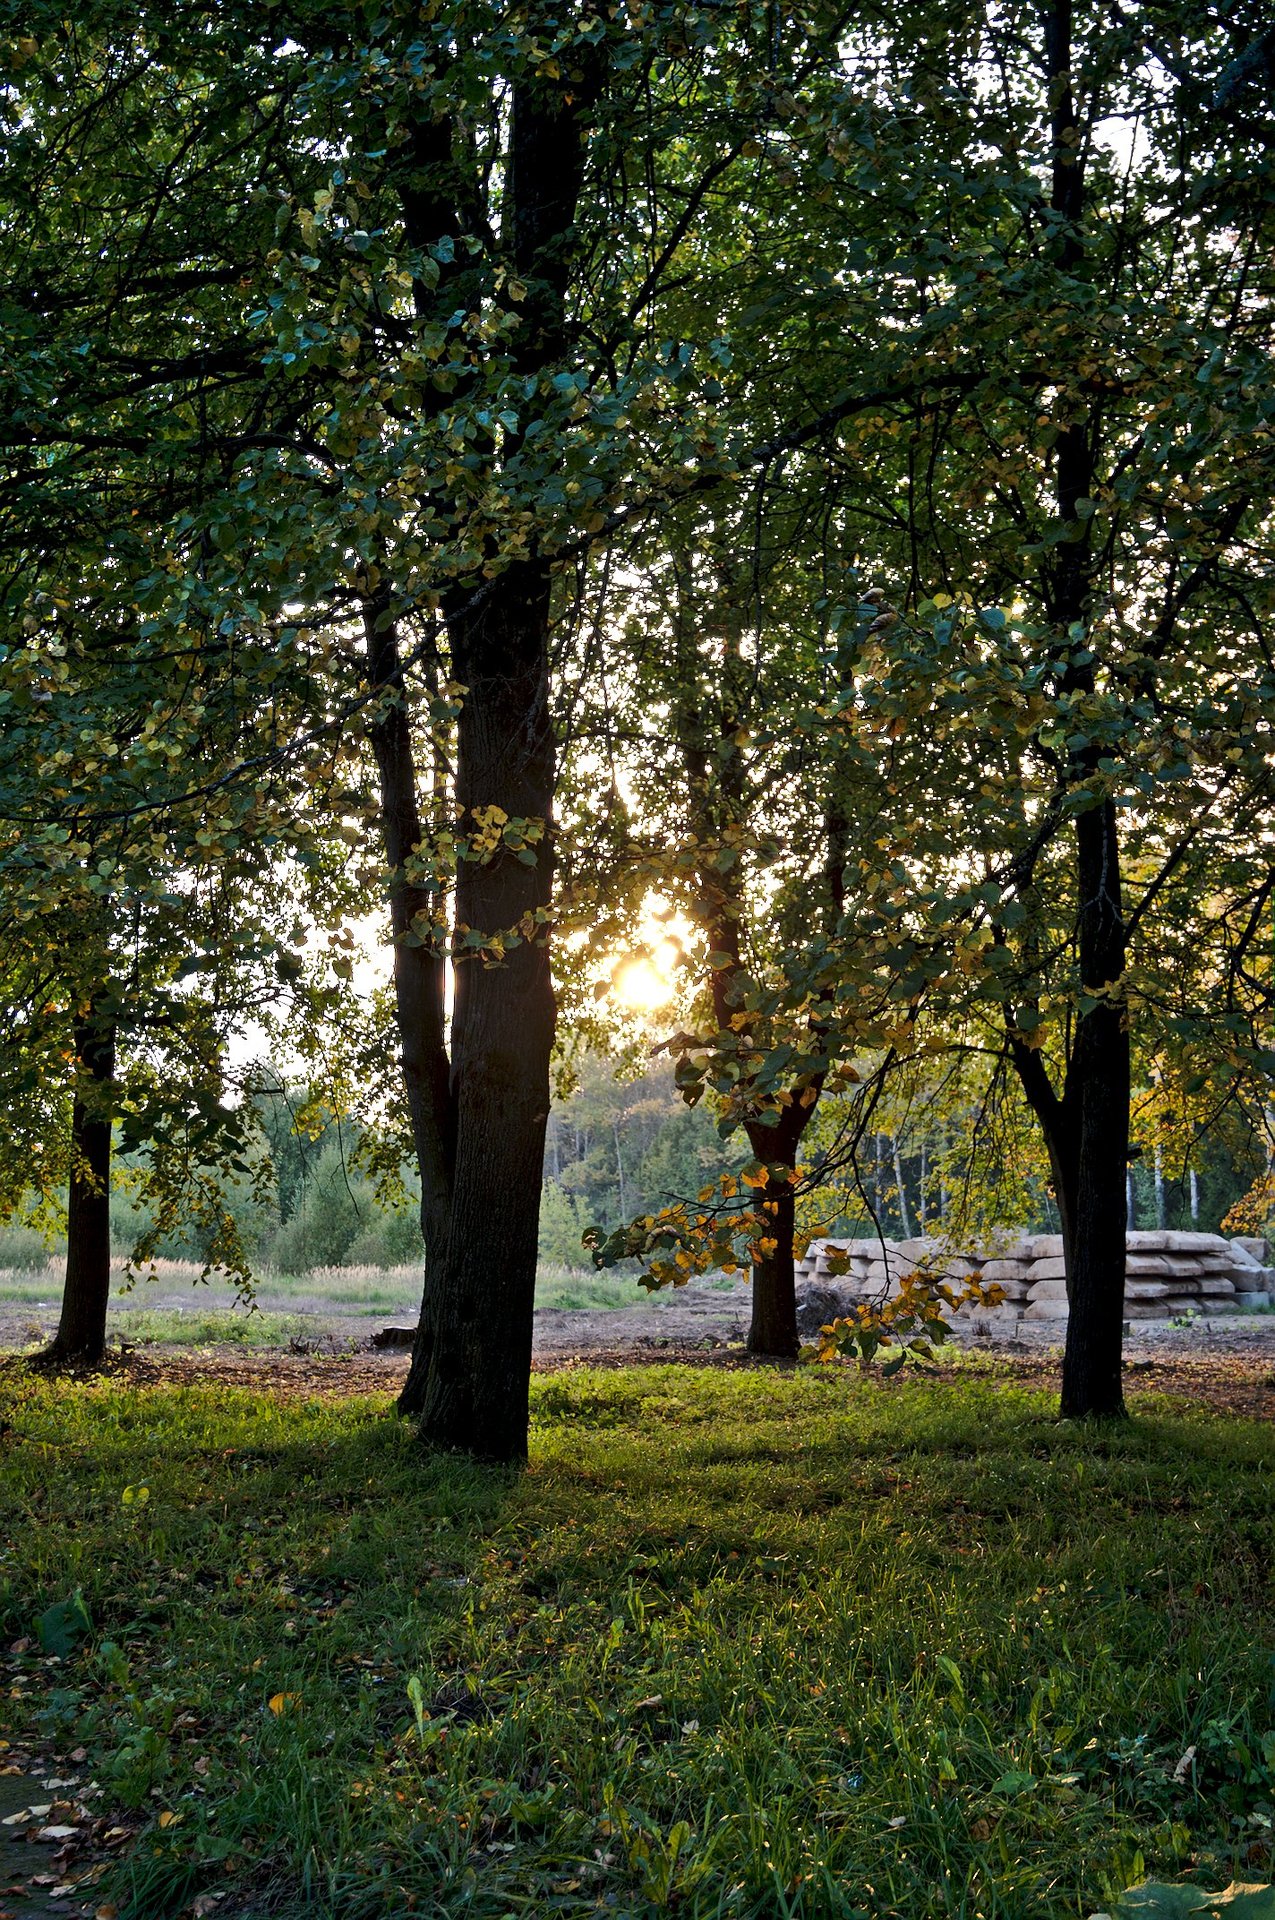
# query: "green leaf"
{"type": "Point", "coordinates": [62, 1625]}
{"type": "Point", "coordinates": [1013, 1783]}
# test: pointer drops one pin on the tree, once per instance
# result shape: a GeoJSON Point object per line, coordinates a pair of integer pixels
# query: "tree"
{"type": "Point", "coordinates": [416, 363]}
{"type": "Point", "coordinates": [1088, 478]}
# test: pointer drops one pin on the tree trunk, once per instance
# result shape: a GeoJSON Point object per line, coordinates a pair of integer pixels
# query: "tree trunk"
{"type": "Point", "coordinates": [470, 1372]}
{"type": "Point", "coordinates": [1088, 1129]}
{"type": "Point", "coordinates": [420, 945]}
{"type": "Point", "coordinates": [81, 1334]}
{"type": "Point", "coordinates": [469, 1384]}
{"type": "Point", "coordinates": [773, 1327]}
{"type": "Point", "coordinates": [1161, 1216]}
{"type": "Point", "coordinates": [904, 1222]}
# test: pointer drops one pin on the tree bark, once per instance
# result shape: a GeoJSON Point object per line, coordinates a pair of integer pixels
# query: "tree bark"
{"type": "Point", "coordinates": [420, 945]}
{"type": "Point", "coordinates": [469, 1387]}
{"type": "Point", "coordinates": [772, 1329]}
{"type": "Point", "coordinates": [81, 1334]}
{"type": "Point", "coordinates": [482, 1136]}
{"type": "Point", "coordinates": [1098, 1088]}
{"type": "Point", "coordinates": [1087, 1129]}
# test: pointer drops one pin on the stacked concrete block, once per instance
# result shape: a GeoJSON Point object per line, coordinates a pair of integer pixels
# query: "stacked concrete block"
{"type": "Point", "coordinates": [1166, 1273]}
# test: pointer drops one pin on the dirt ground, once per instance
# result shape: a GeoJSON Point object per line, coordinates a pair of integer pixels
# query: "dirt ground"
{"type": "Point", "coordinates": [1225, 1363]}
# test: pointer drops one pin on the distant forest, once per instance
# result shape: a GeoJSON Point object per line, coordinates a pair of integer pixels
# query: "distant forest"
{"type": "Point", "coordinates": [615, 1148]}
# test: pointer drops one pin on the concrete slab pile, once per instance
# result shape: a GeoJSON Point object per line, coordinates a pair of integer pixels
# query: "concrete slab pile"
{"type": "Point", "coordinates": [1168, 1273]}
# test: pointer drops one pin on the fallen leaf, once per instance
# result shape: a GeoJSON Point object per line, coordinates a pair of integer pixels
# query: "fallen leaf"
{"type": "Point", "coordinates": [899, 1820]}
{"type": "Point", "coordinates": [655, 1700]}
{"type": "Point", "coordinates": [167, 1819]}
{"type": "Point", "coordinates": [280, 1702]}
{"type": "Point", "coordinates": [108, 1912]}
{"type": "Point", "coordinates": [29, 1813]}
{"type": "Point", "coordinates": [59, 1832]}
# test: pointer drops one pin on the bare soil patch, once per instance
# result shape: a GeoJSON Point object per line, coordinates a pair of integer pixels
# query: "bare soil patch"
{"type": "Point", "coordinates": [1228, 1376]}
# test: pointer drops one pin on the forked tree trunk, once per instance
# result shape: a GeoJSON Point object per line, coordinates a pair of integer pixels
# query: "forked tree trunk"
{"type": "Point", "coordinates": [1087, 1129]}
{"type": "Point", "coordinates": [481, 1094]}
{"type": "Point", "coordinates": [1087, 1134]}
{"type": "Point", "coordinates": [81, 1334]}
{"type": "Point", "coordinates": [469, 1383]}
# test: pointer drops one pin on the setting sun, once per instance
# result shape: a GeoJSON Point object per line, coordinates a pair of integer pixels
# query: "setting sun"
{"type": "Point", "coordinates": [639, 984]}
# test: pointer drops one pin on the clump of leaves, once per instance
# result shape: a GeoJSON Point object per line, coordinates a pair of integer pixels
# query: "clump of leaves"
{"type": "Point", "coordinates": [908, 1326]}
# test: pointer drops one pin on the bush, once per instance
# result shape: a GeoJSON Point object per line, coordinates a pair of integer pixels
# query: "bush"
{"type": "Point", "coordinates": [387, 1240]}
{"type": "Point", "coordinates": [560, 1229]}
{"type": "Point", "coordinates": [23, 1250]}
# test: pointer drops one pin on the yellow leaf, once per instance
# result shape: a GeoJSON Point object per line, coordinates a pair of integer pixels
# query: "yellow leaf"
{"type": "Point", "coordinates": [167, 1819]}
{"type": "Point", "coordinates": [280, 1702]}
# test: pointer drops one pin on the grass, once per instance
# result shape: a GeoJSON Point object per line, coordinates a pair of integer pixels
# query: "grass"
{"type": "Point", "coordinates": [738, 1644]}
{"type": "Point", "coordinates": [168, 1308]}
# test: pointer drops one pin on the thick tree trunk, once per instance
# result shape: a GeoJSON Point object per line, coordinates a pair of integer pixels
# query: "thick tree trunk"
{"type": "Point", "coordinates": [470, 1386]}
{"type": "Point", "coordinates": [81, 1334]}
{"type": "Point", "coordinates": [470, 1372]}
{"type": "Point", "coordinates": [773, 1328]}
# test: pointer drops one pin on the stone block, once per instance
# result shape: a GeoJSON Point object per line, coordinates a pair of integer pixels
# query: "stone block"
{"type": "Point", "coordinates": [1256, 1248]}
{"type": "Point", "coordinates": [1216, 1289]}
{"type": "Point", "coordinates": [1045, 1310]}
{"type": "Point", "coordinates": [1003, 1270]}
{"type": "Point", "coordinates": [1044, 1246]}
{"type": "Point", "coordinates": [1052, 1267]}
{"type": "Point", "coordinates": [1012, 1289]}
{"type": "Point", "coordinates": [1147, 1263]}
{"type": "Point", "coordinates": [1048, 1290]}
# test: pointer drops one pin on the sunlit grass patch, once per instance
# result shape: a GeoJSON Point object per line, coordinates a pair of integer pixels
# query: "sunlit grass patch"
{"type": "Point", "coordinates": [737, 1644]}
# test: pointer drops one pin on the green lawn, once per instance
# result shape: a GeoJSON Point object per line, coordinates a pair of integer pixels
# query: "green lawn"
{"type": "Point", "coordinates": [293, 1304]}
{"type": "Point", "coordinates": [737, 1644]}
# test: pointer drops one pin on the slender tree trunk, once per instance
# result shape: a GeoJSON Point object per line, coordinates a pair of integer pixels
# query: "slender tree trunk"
{"type": "Point", "coordinates": [81, 1334]}
{"type": "Point", "coordinates": [1090, 1125]}
{"type": "Point", "coordinates": [1098, 1089]}
{"type": "Point", "coordinates": [904, 1222]}
{"type": "Point", "coordinates": [1195, 1198]}
{"type": "Point", "coordinates": [1160, 1213]}
{"type": "Point", "coordinates": [1130, 1198]}
{"type": "Point", "coordinates": [420, 959]}
{"type": "Point", "coordinates": [619, 1169]}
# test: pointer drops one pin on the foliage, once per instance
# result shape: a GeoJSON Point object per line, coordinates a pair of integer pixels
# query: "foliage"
{"type": "Point", "coordinates": [753, 1644]}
